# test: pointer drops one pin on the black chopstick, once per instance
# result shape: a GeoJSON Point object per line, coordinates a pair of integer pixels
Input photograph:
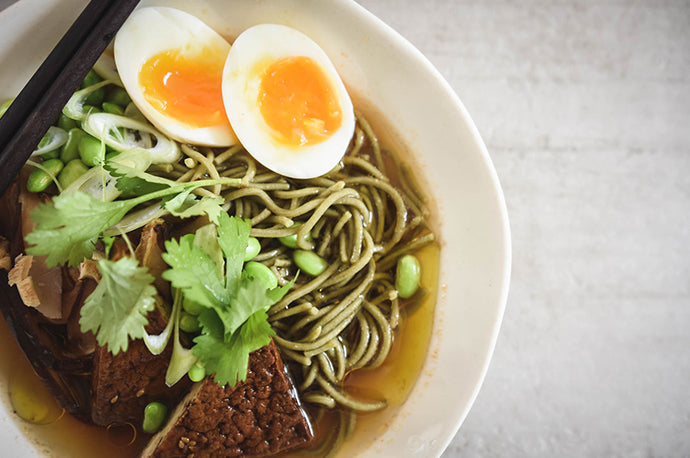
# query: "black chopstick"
{"type": "Point", "coordinates": [40, 102]}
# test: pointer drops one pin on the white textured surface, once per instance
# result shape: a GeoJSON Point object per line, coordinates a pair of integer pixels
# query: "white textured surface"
{"type": "Point", "coordinates": [585, 109]}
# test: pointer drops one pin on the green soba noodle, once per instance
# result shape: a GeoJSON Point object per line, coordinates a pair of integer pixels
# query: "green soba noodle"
{"type": "Point", "coordinates": [362, 216]}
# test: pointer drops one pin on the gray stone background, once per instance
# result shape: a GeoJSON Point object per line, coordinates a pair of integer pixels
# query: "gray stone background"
{"type": "Point", "coordinates": [585, 109]}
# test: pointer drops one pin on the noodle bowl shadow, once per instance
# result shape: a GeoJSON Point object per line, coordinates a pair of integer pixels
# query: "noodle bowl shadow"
{"type": "Point", "coordinates": [420, 112]}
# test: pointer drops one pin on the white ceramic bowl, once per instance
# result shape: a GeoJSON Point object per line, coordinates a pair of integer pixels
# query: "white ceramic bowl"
{"type": "Point", "coordinates": [383, 69]}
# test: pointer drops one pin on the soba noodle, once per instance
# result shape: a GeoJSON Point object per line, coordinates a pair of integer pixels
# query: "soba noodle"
{"type": "Point", "coordinates": [360, 217]}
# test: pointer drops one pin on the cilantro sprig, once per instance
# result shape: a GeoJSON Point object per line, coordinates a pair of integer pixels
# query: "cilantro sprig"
{"type": "Point", "coordinates": [116, 310]}
{"type": "Point", "coordinates": [233, 320]}
{"type": "Point", "coordinates": [68, 227]}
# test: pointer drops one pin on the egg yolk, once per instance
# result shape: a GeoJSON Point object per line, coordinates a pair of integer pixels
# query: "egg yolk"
{"type": "Point", "coordinates": [186, 86]}
{"type": "Point", "coordinates": [297, 101]}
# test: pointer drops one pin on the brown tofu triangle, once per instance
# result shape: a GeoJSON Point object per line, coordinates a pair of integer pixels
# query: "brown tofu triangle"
{"type": "Point", "coordinates": [259, 417]}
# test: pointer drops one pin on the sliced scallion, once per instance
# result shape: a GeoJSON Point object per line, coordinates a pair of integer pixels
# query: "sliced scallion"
{"type": "Point", "coordinates": [122, 133]}
{"type": "Point", "coordinates": [52, 140]}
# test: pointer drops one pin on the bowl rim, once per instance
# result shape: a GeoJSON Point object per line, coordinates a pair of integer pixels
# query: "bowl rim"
{"type": "Point", "coordinates": [412, 52]}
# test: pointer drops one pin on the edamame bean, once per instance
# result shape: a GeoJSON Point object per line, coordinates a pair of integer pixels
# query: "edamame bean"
{"type": "Point", "coordinates": [253, 248]}
{"type": "Point", "coordinates": [96, 97]}
{"type": "Point", "coordinates": [5, 105]}
{"type": "Point", "coordinates": [73, 170]}
{"type": "Point", "coordinates": [70, 150]}
{"type": "Point", "coordinates": [155, 414]}
{"type": "Point", "coordinates": [196, 373]}
{"type": "Point", "coordinates": [259, 271]}
{"type": "Point", "coordinates": [88, 109]}
{"type": "Point", "coordinates": [66, 123]}
{"type": "Point", "coordinates": [309, 262]}
{"type": "Point", "coordinates": [51, 154]}
{"type": "Point", "coordinates": [189, 323]}
{"type": "Point", "coordinates": [290, 241]}
{"type": "Point", "coordinates": [117, 96]}
{"type": "Point", "coordinates": [112, 108]}
{"type": "Point", "coordinates": [407, 276]}
{"type": "Point", "coordinates": [39, 180]}
{"type": "Point", "coordinates": [90, 79]}
{"type": "Point", "coordinates": [90, 150]}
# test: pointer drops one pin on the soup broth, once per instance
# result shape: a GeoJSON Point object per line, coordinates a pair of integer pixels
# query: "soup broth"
{"type": "Point", "coordinates": [393, 380]}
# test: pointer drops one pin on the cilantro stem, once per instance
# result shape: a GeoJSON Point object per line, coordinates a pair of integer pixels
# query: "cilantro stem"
{"type": "Point", "coordinates": [181, 187]}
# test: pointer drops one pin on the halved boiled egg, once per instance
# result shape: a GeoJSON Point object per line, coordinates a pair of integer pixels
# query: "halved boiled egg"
{"type": "Point", "coordinates": [171, 64]}
{"type": "Point", "coordinates": [286, 102]}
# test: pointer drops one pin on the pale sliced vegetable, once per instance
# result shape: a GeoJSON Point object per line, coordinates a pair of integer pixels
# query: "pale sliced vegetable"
{"type": "Point", "coordinates": [122, 133]}
{"type": "Point", "coordinates": [106, 69]}
{"type": "Point", "coordinates": [52, 140]}
{"type": "Point", "coordinates": [75, 105]}
{"type": "Point", "coordinates": [182, 359]}
{"type": "Point", "coordinates": [97, 182]}
{"type": "Point", "coordinates": [135, 220]}
{"type": "Point", "coordinates": [156, 343]}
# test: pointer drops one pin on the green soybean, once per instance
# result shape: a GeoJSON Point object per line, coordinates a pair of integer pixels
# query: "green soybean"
{"type": "Point", "coordinates": [70, 150]}
{"type": "Point", "coordinates": [155, 414]}
{"type": "Point", "coordinates": [5, 105]}
{"type": "Point", "coordinates": [73, 170]}
{"type": "Point", "coordinates": [261, 272]}
{"type": "Point", "coordinates": [253, 248]}
{"type": "Point", "coordinates": [290, 241]}
{"type": "Point", "coordinates": [407, 276]}
{"type": "Point", "coordinates": [309, 262]}
{"type": "Point", "coordinates": [90, 108]}
{"type": "Point", "coordinates": [66, 123]}
{"type": "Point", "coordinates": [51, 154]}
{"type": "Point", "coordinates": [90, 79]}
{"type": "Point", "coordinates": [90, 150]}
{"type": "Point", "coordinates": [118, 96]}
{"type": "Point", "coordinates": [39, 180]}
{"type": "Point", "coordinates": [95, 97]}
{"type": "Point", "coordinates": [112, 108]}
{"type": "Point", "coordinates": [196, 373]}
{"type": "Point", "coordinates": [189, 323]}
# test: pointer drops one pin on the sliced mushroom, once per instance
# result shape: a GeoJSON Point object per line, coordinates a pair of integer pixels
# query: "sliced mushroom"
{"type": "Point", "coordinates": [38, 285]}
{"type": "Point", "coordinates": [149, 252]}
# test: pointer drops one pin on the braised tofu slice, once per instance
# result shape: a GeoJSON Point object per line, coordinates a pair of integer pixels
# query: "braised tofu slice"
{"type": "Point", "coordinates": [261, 416]}
{"type": "Point", "coordinates": [123, 384]}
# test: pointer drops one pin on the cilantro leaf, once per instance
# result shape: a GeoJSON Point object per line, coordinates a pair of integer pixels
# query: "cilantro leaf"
{"type": "Point", "coordinates": [135, 186]}
{"type": "Point", "coordinates": [228, 358]}
{"type": "Point", "coordinates": [233, 236]}
{"type": "Point", "coordinates": [234, 319]}
{"type": "Point", "coordinates": [250, 298]}
{"type": "Point", "coordinates": [117, 308]}
{"type": "Point", "coordinates": [194, 272]}
{"type": "Point", "coordinates": [185, 205]}
{"type": "Point", "coordinates": [129, 168]}
{"type": "Point", "coordinates": [206, 238]}
{"type": "Point", "coordinates": [67, 228]}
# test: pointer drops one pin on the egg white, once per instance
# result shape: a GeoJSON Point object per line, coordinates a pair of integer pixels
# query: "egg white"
{"type": "Point", "coordinates": [251, 53]}
{"type": "Point", "coordinates": [151, 31]}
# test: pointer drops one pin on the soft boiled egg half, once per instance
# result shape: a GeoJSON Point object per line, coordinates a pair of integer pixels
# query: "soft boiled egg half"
{"type": "Point", "coordinates": [171, 64]}
{"type": "Point", "coordinates": [275, 89]}
{"type": "Point", "coordinates": [286, 102]}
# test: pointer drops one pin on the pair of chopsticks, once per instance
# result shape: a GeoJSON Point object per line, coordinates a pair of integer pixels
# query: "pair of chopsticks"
{"type": "Point", "coordinates": [38, 105]}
